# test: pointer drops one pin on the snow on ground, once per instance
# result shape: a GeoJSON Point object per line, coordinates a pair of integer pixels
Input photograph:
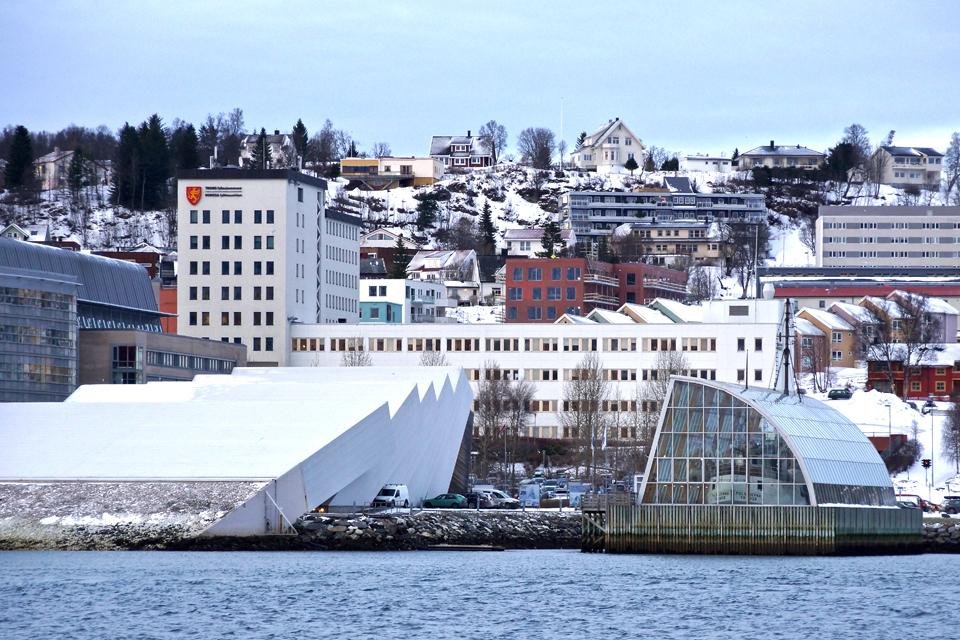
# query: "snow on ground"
{"type": "Point", "coordinates": [477, 315]}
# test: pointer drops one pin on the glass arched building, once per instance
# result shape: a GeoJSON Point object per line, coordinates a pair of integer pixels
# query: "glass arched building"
{"type": "Point", "coordinates": [721, 444]}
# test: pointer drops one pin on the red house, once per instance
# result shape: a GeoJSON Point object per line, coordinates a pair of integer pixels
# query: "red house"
{"type": "Point", "coordinates": [542, 289]}
{"type": "Point", "coordinates": [938, 376]}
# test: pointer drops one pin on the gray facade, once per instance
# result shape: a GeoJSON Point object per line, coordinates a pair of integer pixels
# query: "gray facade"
{"type": "Point", "coordinates": [595, 214]}
{"type": "Point", "coordinates": [38, 336]}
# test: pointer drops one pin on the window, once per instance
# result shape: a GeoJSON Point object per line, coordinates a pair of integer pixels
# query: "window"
{"type": "Point", "coordinates": [238, 217]}
{"type": "Point", "coordinates": [268, 318]}
{"type": "Point", "coordinates": [256, 318]}
{"type": "Point", "coordinates": [193, 293]}
{"type": "Point", "coordinates": [238, 242]}
{"type": "Point", "coordinates": [518, 273]}
{"type": "Point", "coordinates": [758, 344]}
{"type": "Point", "coordinates": [225, 268]}
{"type": "Point", "coordinates": [193, 267]}
{"type": "Point", "coordinates": [193, 318]}
{"type": "Point", "coordinates": [757, 375]}
{"type": "Point", "coordinates": [237, 268]}
{"type": "Point", "coordinates": [257, 216]}
{"type": "Point", "coordinates": [553, 293]}
{"type": "Point", "coordinates": [269, 293]}
{"type": "Point", "coordinates": [205, 318]}
{"type": "Point", "coordinates": [536, 294]}
{"type": "Point", "coordinates": [837, 336]}
{"type": "Point", "coordinates": [556, 273]}
{"type": "Point", "coordinates": [534, 313]}
{"type": "Point", "coordinates": [205, 267]}
{"type": "Point", "coordinates": [269, 242]}
{"type": "Point", "coordinates": [257, 242]}
{"type": "Point", "coordinates": [270, 272]}
{"type": "Point", "coordinates": [224, 318]}
{"type": "Point", "coordinates": [257, 268]}
{"type": "Point", "coordinates": [631, 278]}
{"type": "Point", "coordinates": [269, 216]}
{"type": "Point", "coordinates": [741, 375]}
{"type": "Point", "coordinates": [204, 293]}
{"type": "Point", "coordinates": [193, 216]}
{"type": "Point", "coordinates": [915, 385]}
{"type": "Point", "coordinates": [225, 216]}
{"type": "Point", "coordinates": [224, 242]}
{"type": "Point", "coordinates": [206, 216]}
{"type": "Point", "coordinates": [511, 313]}
{"type": "Point", "coordinates": [741, 344]}
{"type": "Point", "coordinates": [836, 355]}
{"type": "Point", "coordinates": [193, 242]}
{"type": "Point", "coordinates": [515, 293]}
{"type": "Point", "coordinates": [256, 344]}
{"type": "Point", "coordinates": [256, 293]}
{"type": "Point", "coordinates": [534, 273]}
{"type": "Point", "coordinates": [224, 293]}
{"type": "Point", "coordinates": [299, 194]}
{"type": "Point", "coordinates": [571, 293]}
{"type": "Point", "coordinates": [573, 273]}
{"type": "Point", "coordinates": [941, 385]}
{"type": "Point", "coordinates": [236, 318]}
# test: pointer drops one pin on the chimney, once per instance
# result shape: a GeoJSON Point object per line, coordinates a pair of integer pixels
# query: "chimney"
{"type": "Point", "coordinates": [772, 146]}
{"type": "Point", "coordinates": [276, 132]}
{"type": "Point", "coordinates": [468, 133]}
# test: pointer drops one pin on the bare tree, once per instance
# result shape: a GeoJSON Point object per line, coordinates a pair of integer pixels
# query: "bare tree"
{"type": "Point", "coordinates": [748, 245]}
{"type": "Point", "coordinates": [808, 234]}
{"type": "Point", "coordinates": [814, 356]}
{"type": "Point", "coordinates": [856, 135]}
{"type": "Point", "coordinates": [519, 396]}
{"type": "Point", "coordinates": [701, 284]}
{"type": "Point", "coordinates": [492, 410]}
{"type": "Point", "coordinates": [356, 358]}
{"type": "Point", "coordinates": [876, 167]}
{"type": "Point", "coordinates": [536, 146]}
{"type": "Point", "coordinates": [380, 150]}
{"type": "Point", "coordinates": [904, 336]}
{"type": "Point", "coordinates": [583, 398]}
{"type": "Point", "coordinates": [433, 359]}
{"type": "Point", "coordinates": [497, 134]}
{"type": "Point", "coordinates": [655, 157]}
{"type": "Point", "coordinates": [951, 167]}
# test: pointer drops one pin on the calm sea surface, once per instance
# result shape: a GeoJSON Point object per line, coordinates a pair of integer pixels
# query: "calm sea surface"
{"type": "Point", "coordinates": [514, 594]}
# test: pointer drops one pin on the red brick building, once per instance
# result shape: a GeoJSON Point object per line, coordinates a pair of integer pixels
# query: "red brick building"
{"type": "Point", "coordinates": [937, 377]}
{"type": "Point", "coordinates": [542, 290]}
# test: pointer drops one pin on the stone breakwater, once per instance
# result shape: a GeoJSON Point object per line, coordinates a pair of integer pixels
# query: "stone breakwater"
{"type": "Point", "coordinates": [359, 532]}
{"type": "Point", "coordinates": [942, 536]}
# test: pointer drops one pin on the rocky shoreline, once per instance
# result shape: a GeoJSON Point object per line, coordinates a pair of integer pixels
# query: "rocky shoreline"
{"type": "Point", "coordinates": [942, 536]}
{"type": "Point", "coordinates": [343, 532]}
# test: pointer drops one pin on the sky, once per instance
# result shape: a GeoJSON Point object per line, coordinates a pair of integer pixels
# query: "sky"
{"type": "Point", "coordinates": [692, 77]}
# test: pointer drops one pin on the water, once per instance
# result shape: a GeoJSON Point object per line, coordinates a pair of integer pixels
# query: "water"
{"type": "Point", "coordinates": [514, 594]}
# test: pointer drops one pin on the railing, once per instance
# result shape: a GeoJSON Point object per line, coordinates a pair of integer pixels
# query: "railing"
{"type": "Point", "coordinates": [596, 298]}
{"type": "Point", "coordinates": [596, 278]}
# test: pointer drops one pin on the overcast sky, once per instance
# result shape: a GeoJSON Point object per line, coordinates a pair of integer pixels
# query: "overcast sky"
{"type": "Point", "coordinates": [689, 76]}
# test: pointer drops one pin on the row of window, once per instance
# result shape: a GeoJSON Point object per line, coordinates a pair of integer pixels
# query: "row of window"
{"type": "Point", "coordinates": [583, 200]}
{"type": "Point", "coordinates": [260, 267]}
{"type": "Point", "coordinates": [890, 240]}
{"type": "Point", "coordinates": [343, 230]}
{"type": "Point", "coordinates": [259, 293]}
{"type": "Point", "coordinates": [34, 298]}
{"type": "Point", "coordinates": [495, 345]}
{"type": "Point", "coordinates": [556, 273]}
{"type": "Point", "coordinates": [36, 335]}
{"type": "Point", "coordinates": [891, 254]}
{"type": "Point", "coordinates": [258, 216]}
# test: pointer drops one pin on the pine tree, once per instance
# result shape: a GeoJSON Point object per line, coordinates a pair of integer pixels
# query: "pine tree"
{"type": "Point", "coordinates": [649, 164]}
{"type": "Point", "coordinates": [300, 138]}
{"type": "Point", "coordinates": [76, 172]}
{"type": "Point", "coordinates": [18, 174]}
{"type": "Point", "coordinates": [631, 165]}
{"type": "Point", "coordinates": [185, 148]}
{"type": "Point", "coordinates": [352, 150]}
{"type": "Point", "coordinates": [261, 156]}
{"type": "Point", "coordinates": [487, 229]}
{"type": "Point", "coordinates": [400, 259]}
{"type": "Point", "coordinates": [154, 164]}
{"type": "Point", "coordinates": [736, 154]}
{"type": "Point", "coordinates": [552, 240]}
{"type": "Point", "coordinates": [426, 213]}
{"type": "Point", "coordinates": [580, 140]}
{"type": "Point", "coordinates": [126, 167]}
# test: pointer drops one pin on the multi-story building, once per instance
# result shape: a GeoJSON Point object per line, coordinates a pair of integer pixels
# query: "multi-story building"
{"type": "Point", "coordinates": [937, 376]}
{"type": "Point", "coordinates": [375, 174]}
{"type": "Point", "coordinates": [542, 290]}
{"type": "Point", "coordinates": [458, 271]}
{"type": "Point", "coordinates": [781, 157]}
{"type": "Point", "coordinates": [52, 170]}
{"type": "Point", "coordinates": [258, 251]}
{"type": "Point", "coordinates": [665, 243]}
{"type": "Point", "coordinates": [888, 236]}
{"type": "Point", "coordinates": [595, 214]}
{"type": "Point", "coordinates": [839, 347]}
{"type": "Point", "coordinates": [909, 166]}
{"type": "Point", "coordinates": [608, 148]}
{"type": "Point", "coordinates": [399, 301]}
{"type": "Point", "coordinates": [462, 153]}
{"type": "Point", "coordinates": [733, 341]}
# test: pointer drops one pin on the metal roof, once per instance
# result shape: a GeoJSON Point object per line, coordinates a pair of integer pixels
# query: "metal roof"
{"type": "Point", "coordinates": [102, 280]}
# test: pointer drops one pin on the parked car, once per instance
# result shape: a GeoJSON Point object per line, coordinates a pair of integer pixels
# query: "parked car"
{"type": "Point", "coordinates": [486, 502]}
{"type": "Point", "coordinates": [841, 393]}
{"type": "Point", "coordinates": [392, 495]}
{"type": "Point", "coordinates": [950, 504]}
{"type": "Point", "coordinates": [446, 501]}
{"type": "Point", "coordinates": [502, 501]}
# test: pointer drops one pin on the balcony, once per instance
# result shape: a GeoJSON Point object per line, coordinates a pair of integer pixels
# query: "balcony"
{"type": "Point", "coordinates": [597, 278]}
{"type": "Point", "coordinates": [601, 300]}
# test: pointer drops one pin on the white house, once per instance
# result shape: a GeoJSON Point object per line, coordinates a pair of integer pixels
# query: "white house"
{"type": "Point", "coordinates": [608, 148]}
{"type": "Point", "coordinates": [459, 271]}
{"type": "Point", "coordinates": [529, 242]}
{"type": "Point", "coordinates": [398, 301]}
{"type": "Point", "coordinates": [716, 164]}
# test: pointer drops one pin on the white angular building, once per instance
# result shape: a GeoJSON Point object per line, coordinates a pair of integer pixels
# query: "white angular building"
{"type": "Point", "coordinates": [244, 454]}
{"type": "Point", "coordinates": [258, 251]}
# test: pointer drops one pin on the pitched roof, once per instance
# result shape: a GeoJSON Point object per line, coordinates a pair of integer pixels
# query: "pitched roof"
{"type": "Point", "coordinates": [533, 233]}
{"type": "Point", "coordinates": [911, 151]}
{"type": "Point", "coordinates": [855, 311]}
{"type": "Point", "coordinates": [933, 305]}
{"type": "Point", "coordinates": [604, 316]}
{"type": "Point", "coordinates": [942, 355]}
{"type": "Point", "coordinates": [827, 319]}
{"type": "Point", "coordinates": [677, 311]}
{"type": "Point", "coordinates": [806, 328]}
{"type": "Point", "coordinates": [681, 185]}
{"type": "Point", "coordinates": [643, 315]}
{"type": "Point", "coordinates": [782, 150]}
{"type": "Point", "coordinates": [479, 145]}
{"type": "Point", "coordinates": [569, 318]}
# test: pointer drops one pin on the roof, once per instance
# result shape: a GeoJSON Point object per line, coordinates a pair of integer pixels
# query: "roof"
{"type": "Point", "coordinates": [806, 328]}
{"type": "Point", "coordinates": [372, 268]}
{"type": "Point", "coordinates": [603, 316]}
{"type": "Point", "coordinates": [827, 319]}
{"type": "Point", "coordinates": [569, 318]}
{"type": "Point", "coordinates": [681, 185]}
{"type": "Point", "coordinates": [643, 315]}
{"type": "Point", "coordinates": [855, 311]}
{"type": "Point", "coordinates": [677, 311]}
{"type": "Point", "coordinates": [479, 145]}
{"type": "Point", "coordinates": [251, 174]}
{"type": "Point", "coordinates": [933, 305]}
{"type": "Point", "coordinates": [890, 307]}
{"type": "Point", "coordinates": [256, 423]}
{"type": "Point", "coordinates": [102, 280]}
{"type": "Point", "coordinates": [941, 355]}
{"type": "Point", "coordinates": [534, 233]}
{"type": "Point", "coordinates": [437, 260]}
{"type": "Point", "coordinates": [782, 150]}
{"type": "Point", "coordinates": [911, 151]}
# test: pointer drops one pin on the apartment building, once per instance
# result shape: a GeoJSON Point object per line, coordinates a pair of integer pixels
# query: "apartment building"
{"type": "Point", "coordinates": [666, 243]}
{"type": "Point", "coordinates": [258, 251]}
{"type": "Point", "coordinates": [608, 148]}
{"type": "Point", "coordinates": [909, 166]}
{"type": "Point", "coordinates": [888, 236]}
{"type": "Point", "coordinates": [735, 341]}
{"type": "Point", "coordinates": [542, 290]}
{"type": "Point", "coordinates": [776, 156]}
{"type": "Point", "coordinates": [595, 214]}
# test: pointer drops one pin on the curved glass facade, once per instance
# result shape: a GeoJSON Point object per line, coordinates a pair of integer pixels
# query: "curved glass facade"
{"type": "Point", "coordinates": [718, 444]}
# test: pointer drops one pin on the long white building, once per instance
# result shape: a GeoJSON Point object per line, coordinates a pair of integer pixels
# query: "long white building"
{"type": "Point", "coordinates": [259, 251]}
{"type": "Point", "coordinates": [735, 341]}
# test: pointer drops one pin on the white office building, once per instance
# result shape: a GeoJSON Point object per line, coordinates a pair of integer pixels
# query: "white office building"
{"type": "Point", "coordinates": [733, 341]}
{"type": "Point", "coordinates": [258, 251]}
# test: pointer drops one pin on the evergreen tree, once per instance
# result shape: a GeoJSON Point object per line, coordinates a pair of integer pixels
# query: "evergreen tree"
{"type": "Point", "coordinates": [126, 167]}
{"type": "Point", "coordinates": [487, 229]}
{"type": "Point", "coordinates": [76, 172]}
{"type": "Point", "coordinates": [673, 164]}
{"type": "Point", "coordinates": [426, 213]}
{"type": "Point", "coordinates": [352, 150]}
{"type": "Point", "coordinates": [18, 174]}
{"type": "Point", "coordinates": [185, 148]}
{"type": "Point", "coordinates": [736, 154]}
{"type": "Point", "coordinates": [209, 139]}
{"type": "Point", "coordinates": [603, 251]}
{"type": "Point", "coordinates": [154, 164]}
{"type": "Point", "coordinates": [400, 259]}
{"type": "Point", "coordinates": [649, 164]}
{"type": "Point", "coordinates": [580, 140]}
{"type": "Point", "coordinates": [631, 165]}
{"type": "Point", "coordinates": [552, 241]}
{"type": "Point", "coordinates": [261, 156]}
{"type": "Point", "coordinates": [300, 138]}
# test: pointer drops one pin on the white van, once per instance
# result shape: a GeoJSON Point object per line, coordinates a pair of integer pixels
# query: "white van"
{"type": "Point", "coordinates": [392, 495]}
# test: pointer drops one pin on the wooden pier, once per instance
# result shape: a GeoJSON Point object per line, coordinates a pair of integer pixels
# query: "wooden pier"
{"type": "Point", "coordinates": [609, 527]}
